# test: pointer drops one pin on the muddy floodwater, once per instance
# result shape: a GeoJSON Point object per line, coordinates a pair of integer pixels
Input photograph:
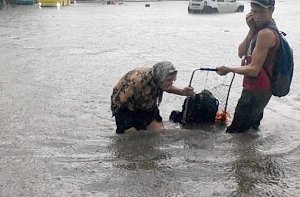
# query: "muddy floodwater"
{"type": "Point", "coordinates": [57, 135]}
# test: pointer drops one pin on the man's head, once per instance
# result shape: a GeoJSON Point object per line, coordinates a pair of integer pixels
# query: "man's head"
{"type": "Point", "coordinates": [262, 11]}
{"type": "Point", "coordinates": [263, 3]}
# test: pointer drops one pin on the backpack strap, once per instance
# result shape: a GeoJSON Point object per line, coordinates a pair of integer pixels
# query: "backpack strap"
{"type": "Point", "coordinates": [277, 34]}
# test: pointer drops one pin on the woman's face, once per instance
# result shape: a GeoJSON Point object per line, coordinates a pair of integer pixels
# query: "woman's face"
{"type": "Point", "coordinates": [168, 82]}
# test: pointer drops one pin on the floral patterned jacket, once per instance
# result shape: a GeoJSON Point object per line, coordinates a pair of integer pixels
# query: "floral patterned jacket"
{"type": "Point", "coordinates": [136, 90]}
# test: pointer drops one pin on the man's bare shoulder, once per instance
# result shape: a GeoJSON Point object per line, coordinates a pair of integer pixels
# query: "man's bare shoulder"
{"type": "Point", "coordinates": [266, 33]}
{"type": "Point", "coordinates": [267, 37]}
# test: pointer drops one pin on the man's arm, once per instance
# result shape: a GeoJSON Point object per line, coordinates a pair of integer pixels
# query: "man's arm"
{"type": "Point", "coordinates": [243, 47]}
{"type": "Point", "coordinates": [266, 39]}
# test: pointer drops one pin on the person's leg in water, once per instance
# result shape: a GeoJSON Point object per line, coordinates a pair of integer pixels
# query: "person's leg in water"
{"type": "Point", "coordinates": [249, 111]}
{"type": "Point", "coordinates": [262, 98]}
{"type": "Point", "coordinates": [256, 122]}
{"type": "Point", "coordinates": [126, 121]}
{"type": "Point", "coordinates": [156, 122]}
{"type": "Point", "coordinates": [155, 125]}
{"type": "Point", "coordinates": [130, 121]}
{"type": "Point", "coordinates": [241, 117]}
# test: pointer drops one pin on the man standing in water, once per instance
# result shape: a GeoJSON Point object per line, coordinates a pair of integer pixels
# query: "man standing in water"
{"type": "Point", "coordinates": [258, 51]}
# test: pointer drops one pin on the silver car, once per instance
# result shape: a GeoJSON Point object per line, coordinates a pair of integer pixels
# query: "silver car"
{"type": "Point", "coordinates": [215, 6]}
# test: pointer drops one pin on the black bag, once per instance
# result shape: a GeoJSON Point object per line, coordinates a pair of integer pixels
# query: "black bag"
{"type": "Point", "coordinates": [201, 108]}
{"type": "Point", "coordinates": [282, 75]}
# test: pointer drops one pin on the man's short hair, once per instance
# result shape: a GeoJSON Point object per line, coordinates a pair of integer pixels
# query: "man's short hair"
{"type": "Point", "coordinates": [264, 3]}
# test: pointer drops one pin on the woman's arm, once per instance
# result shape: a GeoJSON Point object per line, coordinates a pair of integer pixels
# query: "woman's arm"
{"type": "Point", "coordinates": [187, 91]}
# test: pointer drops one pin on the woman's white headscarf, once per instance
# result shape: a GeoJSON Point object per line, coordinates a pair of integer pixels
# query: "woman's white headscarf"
{"type": "Point", "coordinates": [163, 69]}
{"type": "Point", "coordinates": [160, 71]}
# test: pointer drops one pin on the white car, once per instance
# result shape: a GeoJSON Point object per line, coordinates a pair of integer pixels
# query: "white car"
{"type": "Point", "coordinates": [215, 6]}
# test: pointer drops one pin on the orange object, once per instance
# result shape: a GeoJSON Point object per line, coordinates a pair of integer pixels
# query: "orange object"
{"type": "Point", "coordinates": [222, 116]}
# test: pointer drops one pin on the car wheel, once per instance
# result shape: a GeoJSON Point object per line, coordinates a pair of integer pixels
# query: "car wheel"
{"type": "Point", "coordinates": [207, 10]}
{"type": "Point", "coordinates": [240, 9]}
{"type": "Point", "coordinates": [215, 10]}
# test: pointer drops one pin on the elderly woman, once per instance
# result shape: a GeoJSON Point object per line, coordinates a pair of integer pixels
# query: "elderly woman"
{"type": "Point", "coordinates": [136, 97]}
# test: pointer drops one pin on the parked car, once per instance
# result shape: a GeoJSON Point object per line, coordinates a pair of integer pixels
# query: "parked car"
{"type": "Point", "coordinates": [215, 6]}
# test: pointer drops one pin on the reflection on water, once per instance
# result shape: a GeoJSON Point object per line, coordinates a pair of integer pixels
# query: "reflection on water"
{"type": "Point", "coordinates": [255, 174]}
{"type": "Point", "coordinates": [138, 150]}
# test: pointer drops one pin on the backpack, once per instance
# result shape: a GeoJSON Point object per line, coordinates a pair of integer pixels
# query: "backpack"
{"type": "Point", "coordinates": [282, 73]}
{"type": "Point", "coordinates": [201, 108]}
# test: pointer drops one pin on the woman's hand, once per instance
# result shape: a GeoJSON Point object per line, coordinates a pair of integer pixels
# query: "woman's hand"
{"type": "Point", "coordinates": [188, 91]}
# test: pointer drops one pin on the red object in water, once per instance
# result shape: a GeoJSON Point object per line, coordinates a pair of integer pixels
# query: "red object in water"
{"type": "Point", "coordinates": [222, 116]}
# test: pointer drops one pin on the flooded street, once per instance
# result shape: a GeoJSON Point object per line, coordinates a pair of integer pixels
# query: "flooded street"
{"type": "Point", "coordinates": [57, 136]}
